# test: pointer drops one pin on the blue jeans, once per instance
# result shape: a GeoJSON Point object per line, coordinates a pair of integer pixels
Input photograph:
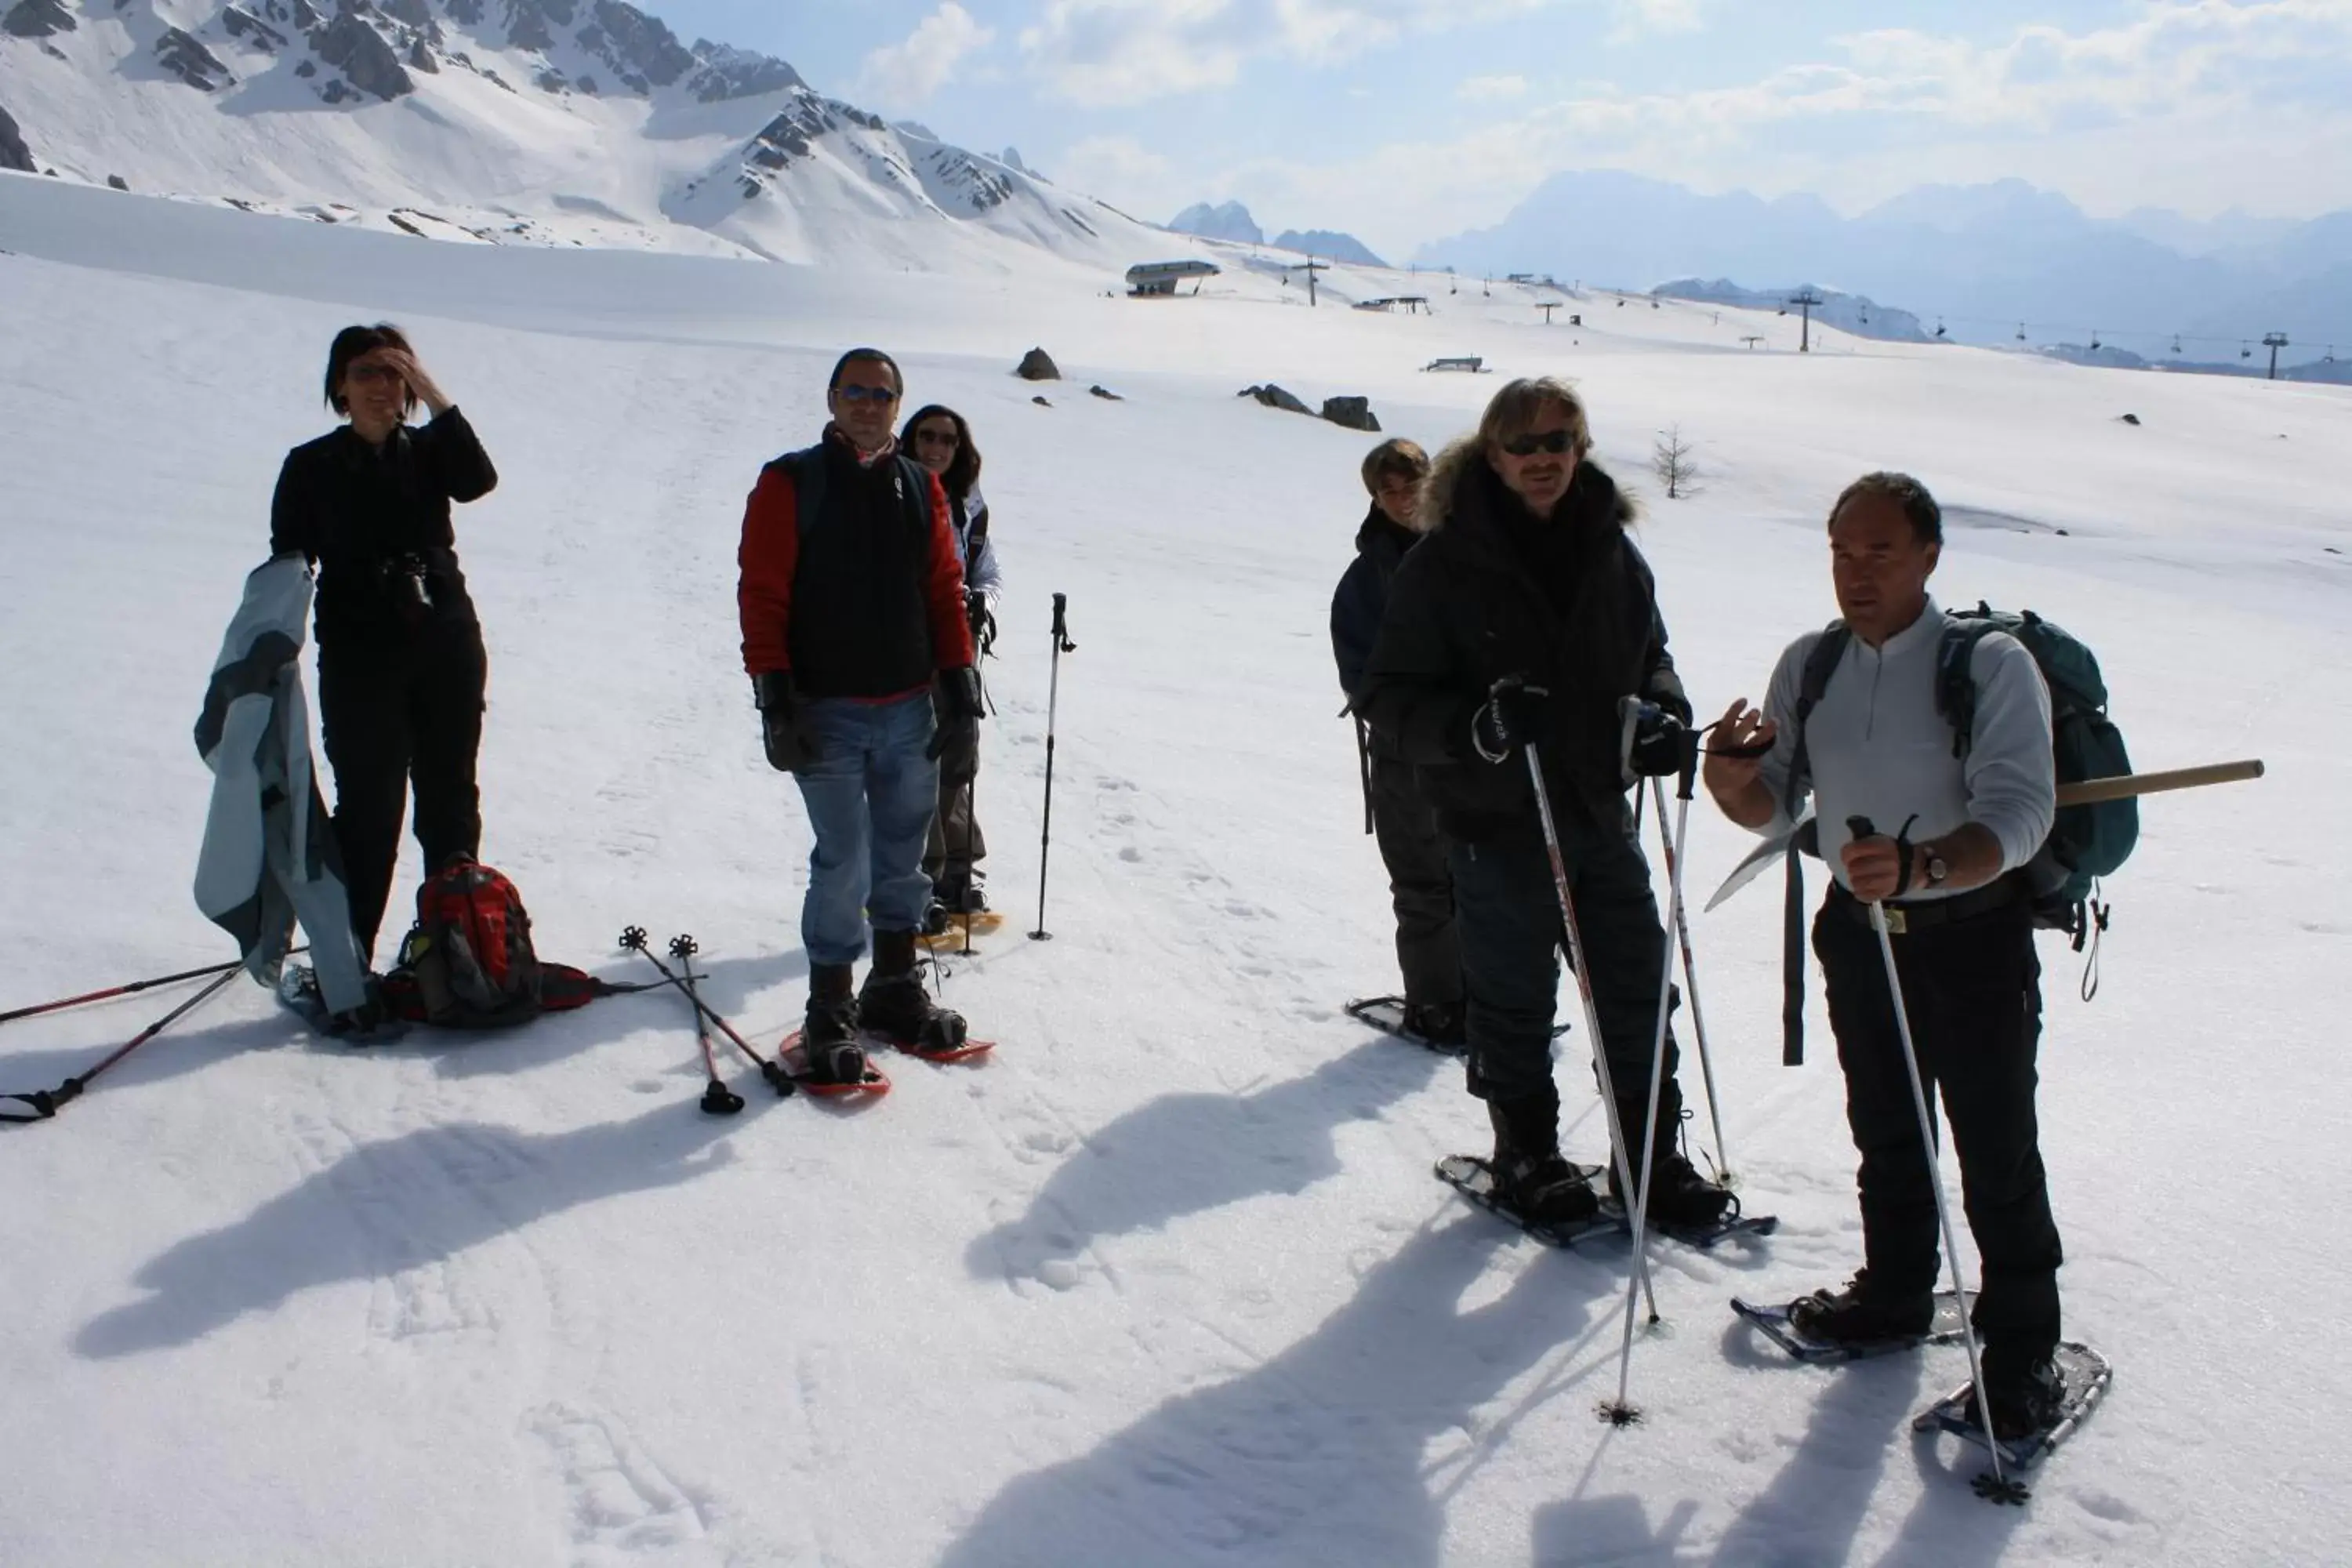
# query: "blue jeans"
{"type": "Point", "coordinates": [870, 795]}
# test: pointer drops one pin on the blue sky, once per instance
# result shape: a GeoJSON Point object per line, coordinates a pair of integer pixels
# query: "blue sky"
{"type": "Point", "coordinates": [1403, 120]}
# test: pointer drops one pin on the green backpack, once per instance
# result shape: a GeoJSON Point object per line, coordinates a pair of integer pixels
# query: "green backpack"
{"type": "Point", "coordinates": [2086, 842]}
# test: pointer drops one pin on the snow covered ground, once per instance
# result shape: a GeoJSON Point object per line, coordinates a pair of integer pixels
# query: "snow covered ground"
{"type": "Point", "coordinates": [1167, 1282]}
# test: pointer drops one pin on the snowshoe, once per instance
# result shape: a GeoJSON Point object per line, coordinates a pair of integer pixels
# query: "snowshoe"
{"type": "Point", "coordinates": [792, 1052]}
{"type": "Point", "coordinates": [1419, 1023]}
{"type": "Point", "coordinates": [1555, 1223]}
{"type": "Point", "coordinates": [372, 1024]}
{"type": "Point", "coordinates": [2045, 1407]}
{"type": "Point", "coordinates": [1788, 1327]}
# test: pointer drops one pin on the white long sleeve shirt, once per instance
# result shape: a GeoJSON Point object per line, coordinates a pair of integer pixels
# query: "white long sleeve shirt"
{"type": "Point", "coordinates": [1878, 746]}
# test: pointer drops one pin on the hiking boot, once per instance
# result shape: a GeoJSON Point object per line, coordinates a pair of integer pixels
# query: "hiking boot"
{"type": "Point", "coordinates": [1530, 1177]}
{"type": "Point", "coordinates": [829, 1030]}
{"type": "Point", "coordinates": [1440, 1023]}
{"type": "Point", "coordinates": [961, 896]}
{"type": "Point", "coordinates": [894, 1003]}
{"type": "Point", "coordinates": [1679, 1195]}
{"type": "Point", "coordinates": [1860, 1315]}
{"type": "Point", "coordinates": [2026, 1393]}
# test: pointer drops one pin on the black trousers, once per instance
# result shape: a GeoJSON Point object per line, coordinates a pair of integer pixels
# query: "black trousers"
{"type": "Point", "coordinates": [956, 844]}
{"type": "Point", "coordinates": [1420, 885]}
{"type": "Point", "coordinates": [1972, 991]}
{"type": "Point", "coordinates": [1508, 911]}
{"type": "Point", "coordinates": [391, 712]}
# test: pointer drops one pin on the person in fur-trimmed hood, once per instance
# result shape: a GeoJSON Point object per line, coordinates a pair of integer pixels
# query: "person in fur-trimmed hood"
{"type": "Point", "coordinates": [1525, 616]}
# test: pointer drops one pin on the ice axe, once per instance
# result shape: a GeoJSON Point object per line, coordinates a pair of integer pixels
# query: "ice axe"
{"type": "Point", "coordinates": [2085, 791]}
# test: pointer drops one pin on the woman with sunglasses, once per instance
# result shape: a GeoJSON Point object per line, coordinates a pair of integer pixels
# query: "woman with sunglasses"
{"type": "Point", "coordinates": [402, 670]}
{"type": "Point", "coordinates": [939, 439]}
{"type": "Point", "coordinates": [1526, 616]}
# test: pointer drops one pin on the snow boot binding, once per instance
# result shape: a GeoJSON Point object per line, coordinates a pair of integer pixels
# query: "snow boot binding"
{"type": "Point", "coordinates": [2026, 1393]}
{"type": "Point", "coordinates": [1530, 1177]}
{"type": "Point", "coordinates": [894, 1003]}
{"type": "Point", "coordinates": [829, 1036]}
{"type": "Point", "coordinates": [1441, 1023]}
{"type": "Point", "coordinates": [1859, 1315]}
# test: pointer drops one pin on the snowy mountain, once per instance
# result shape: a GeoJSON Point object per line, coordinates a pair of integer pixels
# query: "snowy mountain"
{"type": "Point", "coordinates": [1232, 222]}
{"type": "Point", "coordinates": [1984, 258]}
{"type": "Point", "coordinates": [580, 121]}
{"type": "Point", "coordinates": [1327, 242]}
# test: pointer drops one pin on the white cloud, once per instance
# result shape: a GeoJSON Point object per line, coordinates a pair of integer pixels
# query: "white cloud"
{"type": "Point", "coordinates": [1491, 89]}
{"type": "Point", "coordinates": [901, 76]}
{"type": "Point", "coordinates": [2187, 103]}
{"type": "Point", "coordinates": [1103, 53]}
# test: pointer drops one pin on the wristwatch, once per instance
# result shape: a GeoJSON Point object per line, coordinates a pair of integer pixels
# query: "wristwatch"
{"type": "Point", "coordinates": [1936, 870]}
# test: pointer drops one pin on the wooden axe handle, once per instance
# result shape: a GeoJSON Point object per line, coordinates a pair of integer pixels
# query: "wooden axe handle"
{"type": "Point", "coordinates": [2090, 791]}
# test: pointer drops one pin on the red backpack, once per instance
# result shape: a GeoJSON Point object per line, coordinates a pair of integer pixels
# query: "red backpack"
{"type": "Point", "coordinates": [469, 954]}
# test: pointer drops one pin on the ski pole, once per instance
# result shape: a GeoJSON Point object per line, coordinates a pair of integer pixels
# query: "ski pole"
{"type": "Point", "coordinates": [1584, 993]}
{"type": "Point", "coordinates": [718, 1100]}
{"type": "Point", "coordinates": [633, 939]}
{"type": "Point", "coordinates": [136, 985]}
{"type": "Point", "coordinates": [46, 1103]}
{"type": "Point", "coordinates": [970, 827]}
{"type": "Point", "coordinates": [1623, 1412]}
{"type": "Point", "coordinates": [1062, 645]}
{"type": "Point", "coordinates": [1690, 983]}
{"type": "Point", "coordinates": [2001, 1489]}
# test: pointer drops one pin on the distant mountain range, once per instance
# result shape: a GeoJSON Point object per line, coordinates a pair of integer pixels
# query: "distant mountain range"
{"type": "Point", "coordinates": [1848, 313]}
{"type": "Point", "coordinates": [1987, 262]}
{"type": "Point", "coordinates": [1232, 221]}
{"type": "Point", "coordinates": [552, 121]}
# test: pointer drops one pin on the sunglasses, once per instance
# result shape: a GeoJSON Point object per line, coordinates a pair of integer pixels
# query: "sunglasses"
{"type": "Point", "coordinates": [936, 438]}
{"type": "Point", "coordinates": [1553, 441]}
{"type": "Point", "coordinates": [851, 393]}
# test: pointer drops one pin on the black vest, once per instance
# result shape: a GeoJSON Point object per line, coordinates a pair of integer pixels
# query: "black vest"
{"type": "Point", "coordinates": [861, 615]}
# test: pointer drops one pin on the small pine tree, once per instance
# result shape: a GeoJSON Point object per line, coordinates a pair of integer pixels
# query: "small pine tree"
{"type": "Point", "coordinates": [1671, 461]}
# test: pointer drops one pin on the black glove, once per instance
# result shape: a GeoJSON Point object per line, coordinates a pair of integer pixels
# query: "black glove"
{"type": "Point", "coordinates": [976, 616]}
{"type": "Point", "coordinates": [784, 728]}
{"type": "Point", "coordinates": [1661, 741]}
{"type": "Point", "coordinates": [955, 707]}
{"type": "Point", "coordinates": [1515, 714]}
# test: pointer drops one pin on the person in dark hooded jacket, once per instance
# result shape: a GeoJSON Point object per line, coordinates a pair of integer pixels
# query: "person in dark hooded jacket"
{"type": "Point", "coordinates": [1419, 886]}
{"type": "Point", "coordinates": [1526, 616]}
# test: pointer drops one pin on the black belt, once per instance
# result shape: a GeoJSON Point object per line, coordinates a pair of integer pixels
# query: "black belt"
{"type": "Point", "coordinates": [1922, 914]}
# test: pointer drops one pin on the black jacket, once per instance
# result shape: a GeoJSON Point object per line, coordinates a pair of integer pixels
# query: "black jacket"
{"type": "Point", "coordinates": [1491, 591]}
{"type": "Point", "coordinates": [368, 517]}
{"type": "Point", "coordinates": [1363, 598]}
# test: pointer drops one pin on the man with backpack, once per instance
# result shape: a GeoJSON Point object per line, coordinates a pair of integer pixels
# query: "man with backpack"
{"type": "Point", "coordinates": [852, 602]}
{"type": "Point", "coordinates": [1940, 829]}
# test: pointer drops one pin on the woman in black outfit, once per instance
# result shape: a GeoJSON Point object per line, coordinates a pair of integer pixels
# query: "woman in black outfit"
{"type": "Point", "coordinates": [402, 670]}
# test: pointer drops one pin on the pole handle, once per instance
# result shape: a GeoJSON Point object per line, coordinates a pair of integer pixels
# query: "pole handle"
{"type": "Point", "coordinates": [2126, 786]}
{"type": "Point", "coordinates": [1062, 643]}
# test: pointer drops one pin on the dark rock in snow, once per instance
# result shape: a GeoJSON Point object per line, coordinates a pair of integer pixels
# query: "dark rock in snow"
{"type": "Point", "coordinates": [117, 183]}
{"type": "Point", "coordinates": [1041, 402]}
{"type": "Point", "coordinates": [38, 19]}
{"type": "Point", "coordinates": [185, 57]}
{"type": "Point", "coordinates": [1355, 413]}
{"type": "Point", "coordinates": [415, 13]}
{"type": "Point", "coordinates": [359, 52]}
{"type": "Point", "coordinates": [240, 23]}
{"type": "Point", "coordinates": [422, 58]}
{"type": "Point", "coordinates": [1038, 366]}
{"type": "Point", "coordinates": [1105, 393]}
{"type": "Point", "coordinates": [2131, 418]}
{"type": "Point", "coordinates": [13, 154]}
{"type": "Point", "coordinates": [1274, 396]}
{"type": "Point", "coordinates": [638, 48]}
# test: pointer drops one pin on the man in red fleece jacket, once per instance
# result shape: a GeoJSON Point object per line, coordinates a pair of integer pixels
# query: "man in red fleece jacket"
{"type": "Point", "coordinates": [853, 612]}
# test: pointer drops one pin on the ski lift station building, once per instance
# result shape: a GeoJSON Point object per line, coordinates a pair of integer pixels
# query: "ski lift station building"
{"type": "Point", "coordinates": [1148, 279]}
